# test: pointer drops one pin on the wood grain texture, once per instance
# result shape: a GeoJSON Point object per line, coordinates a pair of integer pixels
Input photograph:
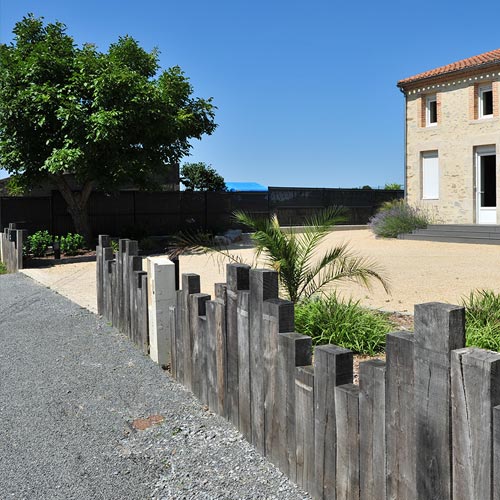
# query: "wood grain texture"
{"type": "Point", "coordinates": [475, 390]}
{"type": "Point", "coordinates": [333, 366]}
{"type": "Point", "coordinates": [197, 313]}
{"type": "Point", "coordinates": [278, 317]}
{"type": "Point", "coordinates": [263, 286]}
{"type": "Point", "coordinates": [400, 416]}
{"type": "Point", "coordinates": [304, 426]}
{"type": "Point", "coordinates": [238, 276]}
{"type": "Point", "coordinates": [216, 355]}
{"type": "Point", "coordinates": [293, 350]}
{"type": "Point", "coordinates": [372, 444]}
{"type": "Point", "coordinates": [142, 313]}
{"type": "Point", "coordinates": [190, 285]}
{"type": "Point", "coordinates": [244, 399]}
{"type": "Point", "coordinates": [439, 328]}
{"type": "Point", "coordinates": [347, 422]}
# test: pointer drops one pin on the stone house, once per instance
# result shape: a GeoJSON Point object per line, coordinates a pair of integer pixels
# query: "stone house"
{"type": "Point", "coordinates": [452, 138]}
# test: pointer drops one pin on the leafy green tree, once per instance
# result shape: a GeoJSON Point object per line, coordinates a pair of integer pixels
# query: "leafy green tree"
{"type": "Point", "coordinates": [107, 119]}
{"type": "Point", "coordinates": [201, 177]}
{"type": "Point", "coordinates": [393, 186]}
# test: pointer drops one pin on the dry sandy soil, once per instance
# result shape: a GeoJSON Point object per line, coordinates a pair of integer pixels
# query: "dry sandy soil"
{"type": "Point", "coordinates": [417, 271]}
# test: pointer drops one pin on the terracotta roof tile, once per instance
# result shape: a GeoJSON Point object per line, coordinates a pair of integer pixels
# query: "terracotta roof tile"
{"type": "Point", "coordinates": [471, 62]}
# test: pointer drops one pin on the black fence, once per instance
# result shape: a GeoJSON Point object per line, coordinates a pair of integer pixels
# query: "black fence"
{"type": "Point", "coordinates": [159, 213]}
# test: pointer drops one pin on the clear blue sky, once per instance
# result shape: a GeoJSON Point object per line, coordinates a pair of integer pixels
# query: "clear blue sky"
{"type": "Point", "coordinates": [306, 91]}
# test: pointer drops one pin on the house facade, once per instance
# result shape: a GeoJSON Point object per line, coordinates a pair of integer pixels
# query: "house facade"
{"type": "Point", "coordinates": [453, 139]}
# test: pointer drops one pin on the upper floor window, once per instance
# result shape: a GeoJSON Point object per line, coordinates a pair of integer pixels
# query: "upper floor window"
{"type": "Point", "coordinates": [485, 101]}
{"type": "Point", "coordinates": [431, 117]}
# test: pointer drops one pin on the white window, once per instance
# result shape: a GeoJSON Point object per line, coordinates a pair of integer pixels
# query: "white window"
{"type": "Point", "coordinates": [485, 104]}
{"type": "Point", "coordinates": [430, 176]}
{"type": "Point", "coordinates": [431, 117]}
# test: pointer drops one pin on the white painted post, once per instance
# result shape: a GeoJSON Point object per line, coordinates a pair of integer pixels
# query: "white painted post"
{"type": "Point", "coordinates": [161, 296]}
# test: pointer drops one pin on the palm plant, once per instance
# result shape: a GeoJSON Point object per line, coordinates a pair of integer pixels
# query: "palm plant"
{"type": "Point", "coordinates": [294, 255]}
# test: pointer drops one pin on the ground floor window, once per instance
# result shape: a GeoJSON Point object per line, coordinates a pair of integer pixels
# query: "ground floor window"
{"type": "Point", "coordinates": [430, 175]}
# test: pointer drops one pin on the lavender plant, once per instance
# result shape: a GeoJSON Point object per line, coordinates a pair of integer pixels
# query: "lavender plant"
{"type": "Point", "coordinates": [397, 217]}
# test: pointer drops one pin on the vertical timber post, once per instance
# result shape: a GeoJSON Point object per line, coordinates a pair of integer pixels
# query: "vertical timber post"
{"type": "Point", "coordinates": [439, 329]}
{"type": "Point", "coordinates": [475, 386]}
{"type": "Point", "coordinates": [161, 296]}
{"type": "Point", "coordinates": [263, 286]}
{"type": "Point", "coordinates": [237, 280]}
{"type": "Point", "coordinates": [333, 366]}
{"type": "Point", "coordinates": [372, 442]}
{"type": "Point", "coordinates": [400, 416]}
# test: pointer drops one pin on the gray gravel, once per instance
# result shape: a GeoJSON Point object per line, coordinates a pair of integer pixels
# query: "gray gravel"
{"type": "Point", "coordinates": [70, 388]}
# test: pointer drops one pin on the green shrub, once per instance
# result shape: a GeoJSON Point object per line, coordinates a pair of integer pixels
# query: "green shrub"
{"type": "Point", "coordinates": [72, 243]}
{"type": "Point", "coordinates": [114, 245]}
{"type": "Point", "coordinates": [397, 217]}
{"type": "Point", "coordinates": [482, 314]}
{"type": "Point", "coordinates": [37, 243]}
{"type": "Point", "coordinates": [3, 268]}
{"type": "Point", "coordinates": [392, 186]}
{"type": "Point", "coordinates": [330, 320]}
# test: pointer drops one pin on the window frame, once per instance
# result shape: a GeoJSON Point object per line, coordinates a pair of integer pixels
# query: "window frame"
{"type": "Point", "coordinates": [434, 193]}
{"type": "Point", "coordinates": [428, 100]}
{"type": "Point", "coordinates": [482, 89]}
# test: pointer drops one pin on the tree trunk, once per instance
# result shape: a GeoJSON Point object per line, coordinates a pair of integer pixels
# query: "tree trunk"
{"type": "Point", "coordinates": [77, 202]}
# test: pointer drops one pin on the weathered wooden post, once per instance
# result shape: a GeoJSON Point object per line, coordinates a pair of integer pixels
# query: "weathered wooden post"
{"type": "Point", "coordinates": [115, 282]}
{"type": "Point", "coordinates": [400, 416]}
{"type": "Point", "coordinates": [142, 311]}
{"type": "Point", "coordinates": [106, 258]}
{"type": "Point", "coordinates": [372, 443]}
{"type": "Point", "coordinates": [198, 327]}
{"type": "Point", "coordinates": [121, 258]}
{"type": "Point", "coordinates": [347, 470]}
{"type": "Point", "coordinates": [263, 286]}
{"type": "Point", "coordinates": [244, 387]}
{"type": "Point", "coordinates": [173, 341]}
{"type": "Point", "coordinates": [20, 236]}
{"type": "Point", "coordinates": [439, 329]}
{"type": "Point", "coordinates": [293, 350]}
{"type": "Point", "coordinates": [278, 317]}
{"type": "Point", "coordinates": [161, 296]}
{"type": "Point", "coordinates": [475, 386]}
{"type": "Point", "coordinates": [216, 354]}
{"type": "Point", "coordinates": [134, 266]}
{"type": "Point", "coordinates": [496, 453]}
{"type": "Point", "coordinates": [304, 426]}
{"type": "Point", "coordinates": [103, 242]}
{"type": "Point", "coordinates": [333, 366]}
{"type": "Point", "coordinates": [237, 276]}
{"type": "Point", "coordinates": [131, 250]}
{"type": "Point", "coordinates": [190, 285]}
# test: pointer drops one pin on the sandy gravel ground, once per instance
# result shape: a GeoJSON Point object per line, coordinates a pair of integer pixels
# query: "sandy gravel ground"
{"type": "Point", "coordinates": [418, 271]}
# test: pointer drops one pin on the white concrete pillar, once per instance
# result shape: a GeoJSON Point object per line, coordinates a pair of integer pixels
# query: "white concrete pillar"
{"type": "Point", "coordinates": [161, 295]}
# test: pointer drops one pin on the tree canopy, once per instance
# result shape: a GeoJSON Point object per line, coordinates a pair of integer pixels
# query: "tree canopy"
{"type": "Point", "coordinates": [201, 177]}
{"type": "Point", "coordinates": [106, 118]}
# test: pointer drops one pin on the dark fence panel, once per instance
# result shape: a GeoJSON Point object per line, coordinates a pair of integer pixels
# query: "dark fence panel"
{"type": "Point", "coordinates": [294, 205]}
{"type": "Point", "coordinates": [32, 214]}
{"type": "Point", "coordinates": [135, 212]}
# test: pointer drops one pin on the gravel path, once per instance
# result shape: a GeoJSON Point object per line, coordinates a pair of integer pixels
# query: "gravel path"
{"type": "Point", "coordinates": [71, 388]}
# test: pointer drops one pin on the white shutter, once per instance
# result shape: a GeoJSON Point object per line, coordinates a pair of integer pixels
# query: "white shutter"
{"type": "Point", "coordinates": [430, 176]}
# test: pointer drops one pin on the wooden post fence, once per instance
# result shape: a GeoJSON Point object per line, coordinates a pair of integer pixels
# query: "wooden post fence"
{"type": "Point", "coordinates": [422, 425]}
{"type": "Point", "coordinates": [11, 248]}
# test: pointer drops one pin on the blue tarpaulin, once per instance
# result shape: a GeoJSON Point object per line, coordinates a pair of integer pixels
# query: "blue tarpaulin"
{"type": "Point", "coordinates": [245, 186]}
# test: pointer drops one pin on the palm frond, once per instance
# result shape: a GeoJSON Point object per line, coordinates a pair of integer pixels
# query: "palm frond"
{"type": "Point", "coordinates": [199, 243]}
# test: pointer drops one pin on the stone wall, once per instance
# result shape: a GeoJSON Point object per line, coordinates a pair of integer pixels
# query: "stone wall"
{"type": "Point", "coordinates": [455, 137]}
